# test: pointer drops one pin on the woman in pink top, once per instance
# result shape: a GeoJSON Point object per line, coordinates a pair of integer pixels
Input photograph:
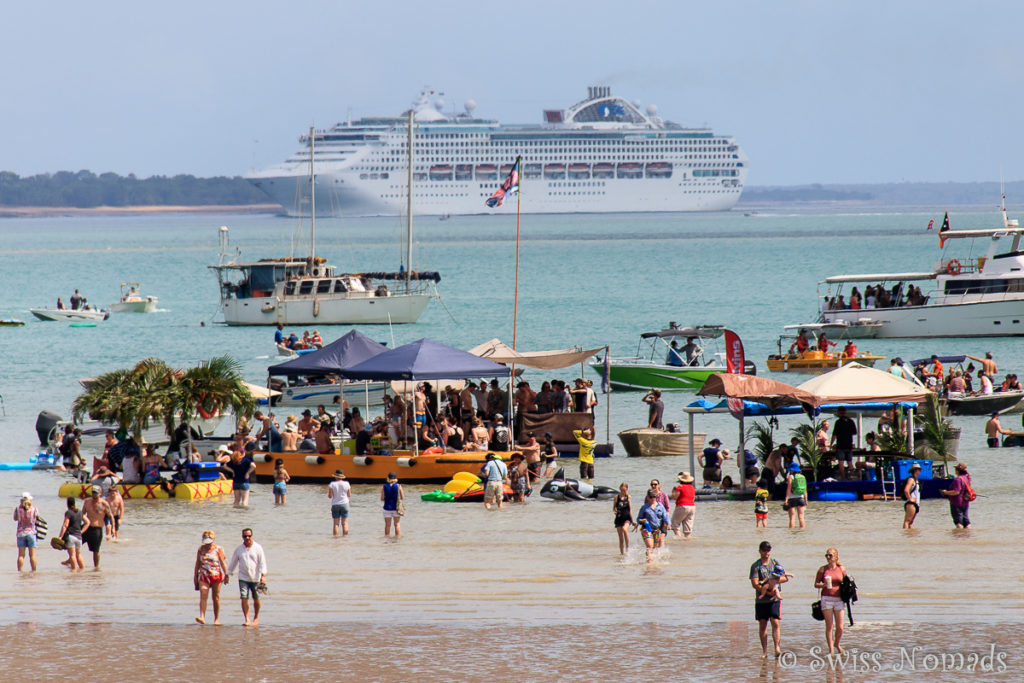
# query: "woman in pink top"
{"type": "Point", "coordinates": [26, 516]}
{"type": "Point", "coordinates": [828, 579]}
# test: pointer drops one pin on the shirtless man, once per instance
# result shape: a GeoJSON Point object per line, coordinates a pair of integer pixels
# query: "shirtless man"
{"type": "Point", "coordinates": [466, 406]}
{"type": "Point", "coordinates": [116, 503]}
{"type": "Point", "coordinates": [987, 364]}
{"type": "Point", "coordinates": [531, 451]}
{"type": "Point", "coordinates": [94, 513]}
{"type": "Point", "coordinates": [993, 429]}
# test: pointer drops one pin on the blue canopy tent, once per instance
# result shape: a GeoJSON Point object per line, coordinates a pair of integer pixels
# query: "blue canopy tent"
{"type": "Point", "coordinates": [341, 354]}
{"type": "Point", "coordinates": [422, 360]}
{"type": "Point", "coordinates": [347, 351]}
{"type": "Point", "coordinates": [425, 359]}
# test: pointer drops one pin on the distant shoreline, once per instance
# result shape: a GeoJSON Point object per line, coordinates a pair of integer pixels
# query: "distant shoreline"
{"type": "Point", "coordinates": [50, 211]}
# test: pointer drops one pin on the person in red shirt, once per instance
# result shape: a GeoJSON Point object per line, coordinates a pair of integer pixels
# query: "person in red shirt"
{"type": "Point", "coordinates": [824, 343]}
{"type": "Point", "coordinates": [828, 580]}
{"type": "Point", "coordinates": [683, 495]}
{"type": "Point", "coordinates": [801, 344]}
{"type": "Point", "coordinates": [850, 350]}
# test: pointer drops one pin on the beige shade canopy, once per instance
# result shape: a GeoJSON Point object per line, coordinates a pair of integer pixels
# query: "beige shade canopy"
{"type": "Point", "coordinates": [770, 392]}
{"type": "Point", "coordinates": [855, 383]}
{"type": "Point", "coordinates": [259, 392]}
{"type": "Point", "coordinates": [499, 352]}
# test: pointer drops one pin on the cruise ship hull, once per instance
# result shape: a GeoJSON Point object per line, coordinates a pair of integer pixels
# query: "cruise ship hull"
{"type": "Point", "coordinates": [381, 310]}
{"type": "Point", "coordinates": [1003, 318]}
{"type": "Point", "coordinates": [336, 195]}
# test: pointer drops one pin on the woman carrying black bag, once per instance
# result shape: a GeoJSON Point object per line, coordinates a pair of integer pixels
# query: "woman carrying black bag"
{"type": "Point", "coordinates": [828, 580]}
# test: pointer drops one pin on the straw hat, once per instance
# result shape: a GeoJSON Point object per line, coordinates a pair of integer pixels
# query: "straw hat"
{"type": "Point", "coordinates": [338, 474]}
{"type": "Point", "coordinates": [685, 478]}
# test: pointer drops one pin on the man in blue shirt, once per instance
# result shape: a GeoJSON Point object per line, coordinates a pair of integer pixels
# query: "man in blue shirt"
{"type": "Point", "coordinates": [494, 473]}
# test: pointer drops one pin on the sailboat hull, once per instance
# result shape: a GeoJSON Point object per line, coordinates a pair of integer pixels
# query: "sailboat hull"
{"type": "Point", "coordinates": [355, 310]}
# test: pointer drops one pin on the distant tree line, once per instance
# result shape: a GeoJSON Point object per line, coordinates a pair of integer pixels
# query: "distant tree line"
{"type": "Point", "coordinates": [85, 189]}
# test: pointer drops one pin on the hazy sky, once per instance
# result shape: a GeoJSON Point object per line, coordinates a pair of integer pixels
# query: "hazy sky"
{"type": "Point", "coordinates": [816, 91]}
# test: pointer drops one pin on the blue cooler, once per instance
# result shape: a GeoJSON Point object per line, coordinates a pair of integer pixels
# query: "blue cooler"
{"type": "Point", "coordinates": [902, 468]}
{"type": "Point", "coordinates": [203, 471]}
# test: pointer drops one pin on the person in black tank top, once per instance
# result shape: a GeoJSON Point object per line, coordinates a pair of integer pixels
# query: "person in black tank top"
{"type": "Point", "coordinates": [623, 516]}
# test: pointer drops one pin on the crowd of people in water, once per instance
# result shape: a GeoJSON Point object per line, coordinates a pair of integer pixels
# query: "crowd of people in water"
{"type": "Point", "coordinates": [876, 296]}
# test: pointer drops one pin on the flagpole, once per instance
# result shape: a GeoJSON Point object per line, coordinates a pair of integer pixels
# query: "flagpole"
{"type": "Point", "coordinates": [515, 300]}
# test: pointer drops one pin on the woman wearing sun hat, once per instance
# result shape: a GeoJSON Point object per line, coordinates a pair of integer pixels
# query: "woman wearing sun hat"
{"type": "Point", "coordinates": [26, 516]}
{"type": "Point", "coordinates": [211, 572]}
{"type": "Point", "coordinates": [683, 494]}
{"type": "Point", "coordinates": [796, 494]}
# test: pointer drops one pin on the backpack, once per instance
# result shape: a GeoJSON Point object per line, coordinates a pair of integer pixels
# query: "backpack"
{"type": "Point", "coordinates": [967, 493]}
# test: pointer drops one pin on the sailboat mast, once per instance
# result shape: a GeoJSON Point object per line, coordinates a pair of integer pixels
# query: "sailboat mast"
{"type": "Point", "coordinates": [408, 210]}
{"type": "Point", "coordinates": [312, 203]}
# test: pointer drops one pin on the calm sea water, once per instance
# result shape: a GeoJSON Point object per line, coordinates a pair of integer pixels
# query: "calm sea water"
{"type": "Point", "coordinates": [545, 579]}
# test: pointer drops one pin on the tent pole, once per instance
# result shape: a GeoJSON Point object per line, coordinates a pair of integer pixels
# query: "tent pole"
{"type": "Point", "coordinates": [608, 416]}
{"type": "Point", "coordinates": [910, 433]}
{"type": "Point", "coordinates": [693, 464]}
{"type": "Point", "coordinates": [860, 428]}
{"type": "Point", "coordinates": [366, 395]}
{"type": "Point", "coordinates": [739, 455]}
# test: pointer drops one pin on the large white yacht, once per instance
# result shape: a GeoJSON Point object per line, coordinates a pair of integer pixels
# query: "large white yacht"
{"type": "Point", "coordinates": [602, 154]}
{"type": "Point", "coordinates": [960, 296]}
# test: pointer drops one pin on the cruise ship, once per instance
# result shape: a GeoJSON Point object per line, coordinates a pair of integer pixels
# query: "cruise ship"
{"type": "Point", "coordinates": [602, 154]}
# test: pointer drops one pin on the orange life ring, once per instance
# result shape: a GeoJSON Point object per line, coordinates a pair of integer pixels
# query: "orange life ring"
{"type": "Point", "coordinates": [953, 267]}
{"type": "Point", "coordinates": [201, 408]}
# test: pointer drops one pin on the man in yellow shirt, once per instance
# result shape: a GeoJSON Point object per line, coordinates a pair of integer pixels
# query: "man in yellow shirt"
{"type": "Point", "coordinates": [585, 438]}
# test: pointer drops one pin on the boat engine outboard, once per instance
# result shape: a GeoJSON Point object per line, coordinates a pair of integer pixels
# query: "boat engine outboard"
{"type": "Point", "coordinates": [46, 422]}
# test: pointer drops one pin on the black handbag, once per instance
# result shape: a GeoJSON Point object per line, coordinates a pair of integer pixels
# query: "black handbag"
{"type": "Point", "coordinates": [816, 611]}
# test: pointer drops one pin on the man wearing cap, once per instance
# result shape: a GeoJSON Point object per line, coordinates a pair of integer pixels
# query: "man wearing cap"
{"type": "Point", "coordinates": [338, 491]}
{"type": "Point", "coordinates": [993, 429]}
{"type": "Point", "coordinates": [306, 424]}
{"type": "Point", "coordinates": [842, 440]}
{"type": "Point", "coordinates": [911, 495]}
{"type": "Point", "coordinates": [767, 606]}
{"type": "Point", "coordinates": [682, 516]}
{"type": "Point", "coordinates": [495, 474]}
{"type": "Point", "coordinates": [95, 511]}
{"type": "Point", "coordinates": [252, 571]}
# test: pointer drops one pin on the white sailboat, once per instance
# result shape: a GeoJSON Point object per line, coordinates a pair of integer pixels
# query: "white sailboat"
{"type": "Point", "coordinates": [307, 290]}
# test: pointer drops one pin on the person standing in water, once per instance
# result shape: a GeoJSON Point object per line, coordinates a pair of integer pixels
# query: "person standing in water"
{"type": "Point", "coordinates": [392, 495]}
{"type": "Point", "coordinates": [251, 562]}
{"type": "Point", "coordinates": [281, 479]}
{"type": "Point", "coordinates": [210, 573]}
{"type": "Point", "coordinates": [623, 508]}
{"type": "Point", "coordinates": [27, 516]}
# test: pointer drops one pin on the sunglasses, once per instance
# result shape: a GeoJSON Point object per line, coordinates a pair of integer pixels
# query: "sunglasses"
{"type": "Point", "coordinates": [246, 535]}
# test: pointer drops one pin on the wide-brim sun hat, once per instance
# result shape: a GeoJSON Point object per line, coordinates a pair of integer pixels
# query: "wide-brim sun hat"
{"type": "Point", "coordinates": [338, 474]}
{"type": "Point", "coordinates": [793, 467]}
{"type": "Point", "coordinates": [685, 478]}
{"type": "Point", "coordinates": [915, 466]}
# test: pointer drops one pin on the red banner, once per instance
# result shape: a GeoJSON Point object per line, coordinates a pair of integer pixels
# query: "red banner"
{"type": "Point", "coordinates": [734, 359]}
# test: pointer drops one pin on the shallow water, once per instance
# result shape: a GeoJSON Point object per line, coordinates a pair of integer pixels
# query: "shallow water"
{"type": "Point", "coordinates": [465, 587]}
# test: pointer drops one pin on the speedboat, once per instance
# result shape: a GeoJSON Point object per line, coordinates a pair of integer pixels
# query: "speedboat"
{"type": "Point", "coordinates": [814, 360]}
{"type": "Point", "coordinates": [648, 369]}
{"type": "Point", "coordinates": [11, 322]}
{"type": "Point", "coordinates": [962, 403]}
{"type": "Point", "coordinates": [70, 314]}
{"type": "Point", "coordinates": [133, 302]}
{"type": "Point", "coordinates": [962, 295]}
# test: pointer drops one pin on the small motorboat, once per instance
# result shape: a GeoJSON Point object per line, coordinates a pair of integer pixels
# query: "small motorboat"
{"type": "Point", "coordinates": [962, 404]}
{"type": "Point", "coordinates": [70, 315]}
{"type": "Point", "coordinates": [647, 441]}
{"type": "Point", "coordinates": [133, 302]}
{"type": "Point", "coordinates": [11, 322]}
{"type": "Point", "coordinates": [815, 360]}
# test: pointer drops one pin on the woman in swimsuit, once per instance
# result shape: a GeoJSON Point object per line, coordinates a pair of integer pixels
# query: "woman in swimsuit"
{"type": "Point", "coordinates": [623, 516]}
{"type": "Point", "coordinates": [210, 573]}
{"type": "Point", "coordinates": [479, 434]}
